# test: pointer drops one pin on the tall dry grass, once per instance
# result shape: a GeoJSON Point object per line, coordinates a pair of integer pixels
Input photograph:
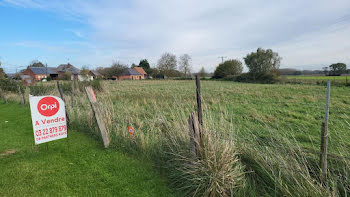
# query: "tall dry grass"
{"type": "Point", "coordinates": [234, 162]}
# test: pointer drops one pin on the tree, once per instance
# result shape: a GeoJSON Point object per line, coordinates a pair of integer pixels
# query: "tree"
{"type": "Point", "coordinates": [262, 62]}
{"type": "Point", "coordinates": [36, 63]}
{"type": "Point", "coordinates": [167, 64]}
{"type": "Point", "coordinates": [2, 72]}
{"type": "Point", "coordinates": [84, 70]}
{"type": "Point", "coordinates": [133, 65]}
{"type": "Point", "coordinates": [144, 64]}
{"type": "Point", "coordinates": [325, 70]}
{"type": "Point", "coordinates": [229, 67]}
{"type": "Point", "coordinates": [114, 70]}
{"type": "Point", "coordinates": [337, 69]}
{"type": "Point", "coordinates": [202, 72]}
{"type": "Point", "coordinates": [185, 64]}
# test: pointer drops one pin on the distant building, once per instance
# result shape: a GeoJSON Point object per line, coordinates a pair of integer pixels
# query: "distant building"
{"type": "Point", "coordinates": [27, 80]}
{"type": "Point", "coordinates": [70, 69]}
{"type": "Point", "coordinates": [141, 71]}
{"type": "Point", "coordinates": [130, 74]}
{"type": "Point", "coordinates": [93, 74]}
{"type": "Point", "coordinates": [39, 73]}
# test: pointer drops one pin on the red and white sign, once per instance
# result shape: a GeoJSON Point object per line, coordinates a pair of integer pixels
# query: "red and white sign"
{"type": "Point", "coordinates": [131, 131]}
{"type": "Point", "coordinates": [48, 118]}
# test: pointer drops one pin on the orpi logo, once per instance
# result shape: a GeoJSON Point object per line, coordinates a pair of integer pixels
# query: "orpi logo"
{"type": "Point", "coordinates": [48, 106]}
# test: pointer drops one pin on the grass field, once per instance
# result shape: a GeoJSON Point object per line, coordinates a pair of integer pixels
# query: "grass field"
{"type": "Point", "coordinates": [261, 139]}
{"type": "Point", "coordinates": [86, 169]}
{"type": "Point", "coordinates": [294, 110]}
{"type": "Point", "coordinates": [317, 77]}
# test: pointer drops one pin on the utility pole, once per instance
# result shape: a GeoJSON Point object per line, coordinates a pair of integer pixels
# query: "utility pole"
{"type": "Point", "coordinates": [222, 58]}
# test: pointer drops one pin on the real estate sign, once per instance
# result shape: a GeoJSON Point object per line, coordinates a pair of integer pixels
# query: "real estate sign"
{"type": "Point", "coordinates": [48, 118]}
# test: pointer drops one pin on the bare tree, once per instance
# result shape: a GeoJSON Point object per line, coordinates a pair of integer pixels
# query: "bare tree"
{"type": "Point", "coordinates": [167, 64]}
{"type": "Point", "coordinates": [185, 64]}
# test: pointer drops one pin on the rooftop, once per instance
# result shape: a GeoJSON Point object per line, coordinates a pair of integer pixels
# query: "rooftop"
{"type": "Point", "coordinates": [43, 70]}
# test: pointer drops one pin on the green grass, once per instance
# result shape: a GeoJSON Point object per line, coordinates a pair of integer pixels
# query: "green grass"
{"type": "Point", "coordinates": [296, 111]}
{"type": "Point", "coordinates": [86, 169]}
{"type": "Point", "coordinates": [317, 77]}
{"type": "Point", "coordinates": [265, 138]}
{"type": "Point", "coordinates": [275, 129]}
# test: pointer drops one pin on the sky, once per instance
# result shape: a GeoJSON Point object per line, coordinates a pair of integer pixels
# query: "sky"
{"type": "Point", "coordinates": [307, 34]}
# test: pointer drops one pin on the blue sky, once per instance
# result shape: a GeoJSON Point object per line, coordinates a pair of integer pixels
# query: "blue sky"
{"type": "Point", "coordinates": [307, 34]}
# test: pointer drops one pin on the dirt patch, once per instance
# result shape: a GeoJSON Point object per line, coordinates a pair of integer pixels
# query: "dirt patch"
{"type": "Point", "coordinates": [7, 152]}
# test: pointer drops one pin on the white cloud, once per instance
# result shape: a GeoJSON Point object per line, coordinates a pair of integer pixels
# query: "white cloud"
{"type": "Point", "coordinates": [307, 34]}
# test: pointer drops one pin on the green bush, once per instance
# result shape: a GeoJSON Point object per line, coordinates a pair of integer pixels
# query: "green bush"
{"type": "Point", "coordinates": [183, 78]}
{"type": "Point", "coordinates": [95, 84]}
{"type": "Point", "coordinates": [39, 89]}
{"type": "Point", "coordinates": [229, 67]}
{"type": "Point", "coordinates": [11, 85]}
{"type": "Point", "coordinates": [258, 78]}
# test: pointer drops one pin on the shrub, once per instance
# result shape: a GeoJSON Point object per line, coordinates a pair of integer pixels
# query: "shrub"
{"type": "Point", "coordinates": [95, 84]}
{"type": "Point", "coordinates": [40, 89]}
{"type": "Point", "coordinates": [11, 85]}
{"type": "Point", "coordinates": [258, 78]}
{"type": "Point", "coordinates": [229, 67]}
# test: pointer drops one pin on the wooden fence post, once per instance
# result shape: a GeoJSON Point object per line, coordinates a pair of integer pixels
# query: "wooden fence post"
{"type": "Point", "coordinates": [67, 117]}
{"type": "Point", "coordinates": [194, 132]}
{"type": "Point", "coordinates": [324, 136]}
{"type": "Point", "coordinates": [195, 123]}
{"type": "Point", "coordinates": [199, 100]}
{"type": "Point", "coordinates": [199, 107]}
{"type": "Point", "coordinates": [21, 95]}
{"type": "Point", "coordinates": [98, 116]}
{"type": "Point", "coordinates": [346, 80]}
{"type": "Point", "coordinates": [62, 97]}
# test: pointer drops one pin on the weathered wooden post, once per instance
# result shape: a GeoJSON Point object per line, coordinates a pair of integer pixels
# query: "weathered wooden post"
{"type": "Point", "coordinates": [324, 136]}
{"type": "Point", "coordinates": [199, 100]}
{"type": "Point", "coordinates": [193, 125]}
{"type": "Point", "coordinates": [21, 95]}
{"type": "Point", "coordinates": [62, 97]}
{"type": "Point", "coordinates": [199, 107]}
{"type": "Point", "coordinates": [98, 116]}
{"type": "Point", "coordinates": [67, 117]}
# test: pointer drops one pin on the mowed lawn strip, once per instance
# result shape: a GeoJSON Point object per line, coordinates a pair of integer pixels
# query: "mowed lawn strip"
{"type": "Point", "coordinates": [85, 169]}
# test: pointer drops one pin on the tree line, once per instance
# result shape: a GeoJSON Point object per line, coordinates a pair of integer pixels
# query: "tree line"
{"type": "Point", "coordinates": [168, 65]}
{"type": "Point", "coordinates": [263, 66]}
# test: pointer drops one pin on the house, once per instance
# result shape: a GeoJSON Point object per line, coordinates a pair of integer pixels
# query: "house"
{"type": "Point", "coordinates": [39, 73]}
{"type": "Point", "coordinates": [130, 74]}
{"type": "Point", "coordinates": [27, 80]}
{"type": "Point", "coordinates": [70, 69]}
{"type": "Point", "coordinates": [141, 71]}
{"type": "Point", "coordinates": [93, 74]}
